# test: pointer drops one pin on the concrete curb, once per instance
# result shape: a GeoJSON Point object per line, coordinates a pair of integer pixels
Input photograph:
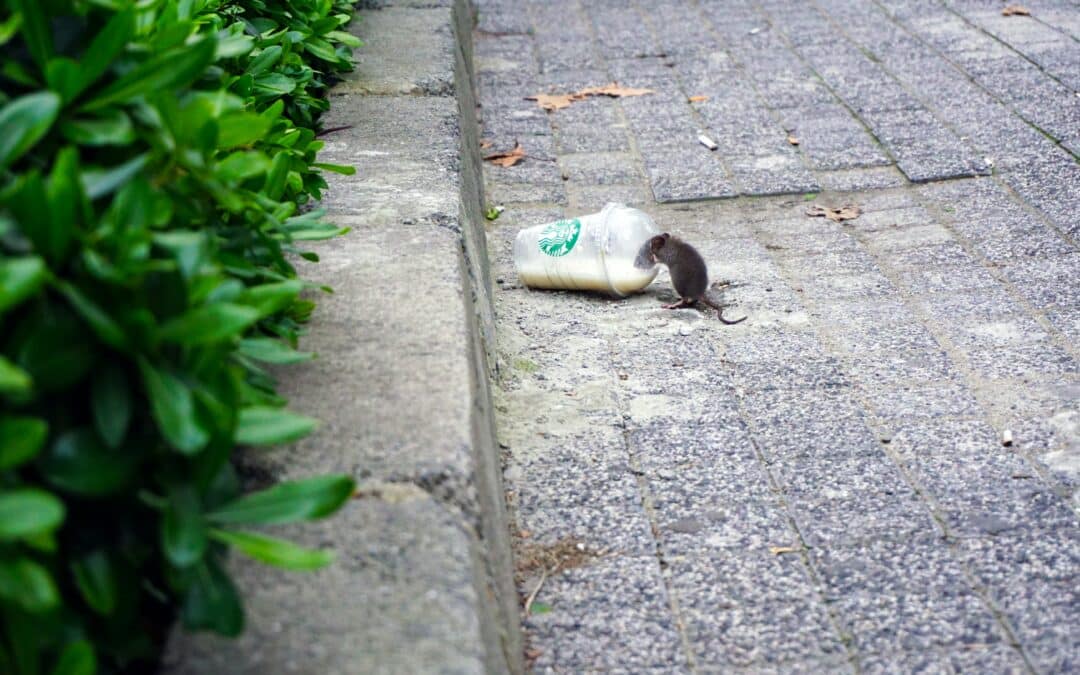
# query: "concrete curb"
{"type": "Point", "coordinates": [422, 581]}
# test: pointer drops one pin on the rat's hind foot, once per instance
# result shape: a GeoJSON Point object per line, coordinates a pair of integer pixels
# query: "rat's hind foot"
{"type": "Point", "coordinates": [684, 302]}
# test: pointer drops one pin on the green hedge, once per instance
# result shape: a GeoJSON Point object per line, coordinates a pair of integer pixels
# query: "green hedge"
{"type": "Point", "coordinates": [155, 160]}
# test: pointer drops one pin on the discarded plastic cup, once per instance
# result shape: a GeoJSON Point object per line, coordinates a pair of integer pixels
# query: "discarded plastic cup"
{"type": "Point", "coordinates": [594, 252]}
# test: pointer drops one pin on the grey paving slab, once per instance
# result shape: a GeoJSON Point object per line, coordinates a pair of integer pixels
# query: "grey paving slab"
{"type": "Point", "coordinates": [824, 487]}
{"type": "Point", "coordinates": [592, 609]}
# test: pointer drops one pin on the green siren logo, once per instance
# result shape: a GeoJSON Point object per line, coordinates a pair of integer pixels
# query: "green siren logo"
{"type": "Point", "coordinates": [558, 238]}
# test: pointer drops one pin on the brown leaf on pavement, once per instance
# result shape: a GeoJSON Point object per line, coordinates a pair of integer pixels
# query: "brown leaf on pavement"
{"type": "Point", "coordinates": [507, 159]}
{"type": "Point", "coordinates": [1016, 10]}
{"type": "Point", "coordinates": [484, 144]}
{"type": "Point", "coordinates": [777, 550]}
{"type": "Point", "coordinates": [614, 90]}
{"type": "Point", "coordinates": [553, 101]}
{"type": "Point", "coordinates": [791, 139]}
{"type": "Point", "coordinates": [558, 101]}
{"type": "Point", "coordinates": [848, 212]}
{"type": "Point", "coordinates": [698, 99]}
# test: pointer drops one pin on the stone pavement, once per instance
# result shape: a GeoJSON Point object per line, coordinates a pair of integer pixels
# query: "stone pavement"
{"type": "Point", "coordinates": [824, 487]}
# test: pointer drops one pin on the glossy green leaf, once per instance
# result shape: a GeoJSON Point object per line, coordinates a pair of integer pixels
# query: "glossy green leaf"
{"type": "Point", "coordinates": [232, 46]}
{"type": "Point", "coordinates": [271, 426]}
{"type": "Point", "coordinates": [77, 659]}
{"type": "Point", "coordinates": [160, 73]}
{"type": "Point", "coordinates": [241, 128]}
{"type": "Point", "coordinates": [274, 84]}
{"type": "Point", "coordinates": [270, 350]}
{"type": "Point", "coordinates": [322, 49]}
{"type": "Point", "coordinates": [173, 408]}
{"type": "Point", "coordinates": [209, 323]}
{"type": "Point", "coordinates": [25, 121]}
{"type": "Point", "coordinates": [183, 533]}
{"type": "Point", "coordinates": [66, 202]}
{"type": "Point", "coordinates": [189, 248]}
{"type": "Point", "coordinates": [101, 323]}
{"type": "Point", "coordinates": [62, 76]}
{"type": "Point", "coordinates": [347, 39]}
{"type": "Point", "coordinates": [9, 28]}
{"type": "Point", "coordinates": [35, 30]}
{"type": "Point", "coordinates": [111, 127]}
{"type": "Point", "coordinates": [25, 512]}
{"type": "Point", "coordinates": [212, 601]}
{"type": "Point", "coordinates": [265, 60]}
{"type": "Point", "coordinates": [268, 299]}
{"type": "Point", "coordinates": [272, 551]}
{"type": "Point", "coordinates": [336, 168]}
{"type": "Point", "coordinates": [289, 502]}
{"type": "Point", "coordinates": [110, 401]}
{"type": "Point", "coordinates": [27, 584]}
{"type": "Point", "coordinates": [21, 439]}
{"type": "Point", "coordinates": [105, 47]}
{"type": "Point", "coordinates": [46, 350]}
{"type": "Point", "coordinates": [97, 580]}
{"type": "Point", "coordinates": [275, 179]}
{"type": "Point", "coordinates": [79, 463]}
{"type": "Point", "coordinates": [19, 279]}
{"type": "Point", "coordinates": [241, 165]}
{"type": "Point", "coordinates": [13, 379]}
{"type": "Point", "coordinates": [103, 181]}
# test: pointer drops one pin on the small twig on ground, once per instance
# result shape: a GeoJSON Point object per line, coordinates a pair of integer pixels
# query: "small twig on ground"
{"type": "Point", "coordinates": [332, 130]}
{"type": "Point", "coordinates": [532, 596]}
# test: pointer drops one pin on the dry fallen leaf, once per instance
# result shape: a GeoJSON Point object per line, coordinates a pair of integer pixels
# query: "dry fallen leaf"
{"type": "Point", "coordinates": [553, 101]}
{"type": "Point", "coordinates": [791, 139]}
{"type": "Point", "coordinates": [559, 101]}
{"type": "Point", "coordinates": [849, 212]}
{"type": "Point", "coordinates": [777, 550]}
{"type": "Point", "coordinates": [698, 99]}
{"type": "Point", "coordinates": [614, 90]}
{"type": "Point", "coordinates": [484, 144]}
{"type": "Point", "coordinates": [1016, 10]}
{"type": "Point", "coordinates": [507, 159]}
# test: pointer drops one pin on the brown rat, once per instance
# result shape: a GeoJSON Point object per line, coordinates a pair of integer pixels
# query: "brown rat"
{"type": "Point", "coordinates": [689, 275]}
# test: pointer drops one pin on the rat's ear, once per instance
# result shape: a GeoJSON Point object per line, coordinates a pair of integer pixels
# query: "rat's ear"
{"type": "Point", "coordinates": [658, 241]}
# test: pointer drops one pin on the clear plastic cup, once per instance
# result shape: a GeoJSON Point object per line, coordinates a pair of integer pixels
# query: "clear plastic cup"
{"type": "Point", "coordinates": [590, 253]}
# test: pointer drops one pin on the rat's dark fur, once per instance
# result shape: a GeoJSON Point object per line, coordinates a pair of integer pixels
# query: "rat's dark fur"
{"type": "Point", "coordinates": [689, 275]}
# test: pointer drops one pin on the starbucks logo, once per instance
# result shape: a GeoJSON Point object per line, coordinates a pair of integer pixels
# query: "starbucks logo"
{"type": "Point", "coordinates": [558, 238]}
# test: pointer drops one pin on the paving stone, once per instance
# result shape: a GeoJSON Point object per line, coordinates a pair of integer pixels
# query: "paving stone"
{"type": "Point", "coordinates": [885, 368]}
{"type": "Point", "coordinates": [1066, 320]}
{"type": "Point", "coordinates": [593, 609]}
{"type": "Point", "coordinates": [597, 498]}
{"type": "Point", "coordinates": [866, 285]}
{"type": "Point", "coordinates": [1048, 281]}
{"type": "Point", "coordinates": [601, 168]}
{"type": "Point", "coordinates": [1035, 243]}
{"type": "Point", "coordinates": [982, 305]}
{"type": "Point", "coordinates": [946, 279]}
{"type": "Point", "coordinates": [517, 193]}
{"type": "Point", "coordinates": [941, 437]}
{"type": "Point", "coordinates": [904, 596]}
{"type": "Point", "coordinates": [888, 240]}
{"type": "Point", "coordinates": [803, 373]}
{"type": "Point", "coordinates": [861, 179]}
{"type": "Point", "coordinates": [892, 218]}
{"type": "Point", "coordinates": [949, 253]}
{"type": "Point", "coordinates": [1040, 357]}
{"type": "Point", "coordinates": [859, 409]}
{"type": "Point", "coordinates": [924, 400]}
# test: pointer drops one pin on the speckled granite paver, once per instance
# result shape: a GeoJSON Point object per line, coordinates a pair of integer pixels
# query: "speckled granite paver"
{"type": "Point", "coordinates": [823, 488]}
